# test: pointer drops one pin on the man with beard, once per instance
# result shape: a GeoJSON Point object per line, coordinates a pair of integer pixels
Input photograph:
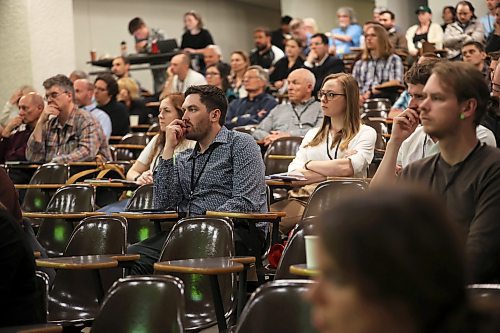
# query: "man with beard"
{"type": "Point", "coordinates": [265, 54]}
{"type": "Point", "coordinates": [223, 172]}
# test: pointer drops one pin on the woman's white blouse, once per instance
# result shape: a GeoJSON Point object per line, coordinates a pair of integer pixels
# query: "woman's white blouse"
{"type": "Point", "coordinates": [363, 143]}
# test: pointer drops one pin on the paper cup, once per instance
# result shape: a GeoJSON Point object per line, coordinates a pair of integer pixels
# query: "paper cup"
{"type": "Point", "coordinates": [134, 120]}
{"type": "Point", "coordinates": [311, 248]}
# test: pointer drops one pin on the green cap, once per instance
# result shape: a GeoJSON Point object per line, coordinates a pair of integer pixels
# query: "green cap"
{"type": "Point", "coordinates": [423, 9]}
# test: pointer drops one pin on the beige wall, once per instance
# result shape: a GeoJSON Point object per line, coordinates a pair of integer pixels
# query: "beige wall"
{"type": "Point", "coordinates": [102, 25]}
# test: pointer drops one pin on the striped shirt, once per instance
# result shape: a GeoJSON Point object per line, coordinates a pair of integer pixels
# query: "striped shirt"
{"type": "Point", "coordinates": [372, 72]}
{"type": "Point", "coordinates": [81, 138]}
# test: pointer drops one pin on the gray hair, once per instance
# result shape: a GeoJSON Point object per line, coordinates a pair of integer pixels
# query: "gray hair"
{"type": "Point", "coordinates": [216, 48]}
{"type": "Point", "coordinates": [261, 72]}
{"type": "Point", "coordinates": [349, 12]}
{"type": "Point", "coordinates": [61, 81]}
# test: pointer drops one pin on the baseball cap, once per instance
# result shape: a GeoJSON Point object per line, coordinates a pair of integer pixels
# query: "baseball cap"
{"type": "Point", "coordinates": [423, 9]}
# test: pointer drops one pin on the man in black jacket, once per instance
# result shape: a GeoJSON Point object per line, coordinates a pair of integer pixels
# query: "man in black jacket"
{"type": "Point", "coordinates": [320, 62]}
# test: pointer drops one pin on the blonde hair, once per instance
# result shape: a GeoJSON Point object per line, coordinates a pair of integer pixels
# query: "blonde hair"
{"type": "Point", "coordinates": [130, 85]}
{"type": "Point", "coordinates": [352, 119]}
{"type": "Point", "coordinates": [384, 46]}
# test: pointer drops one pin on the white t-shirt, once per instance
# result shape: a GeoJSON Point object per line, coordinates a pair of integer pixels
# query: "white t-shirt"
{"type": "Point", "coordinates": [144, 156]}
{"type": "Point", "coordinates": [193, 78]}
{"type": "Point", "coordinates": [419, 145]}
{"type": "Point", "coordinates": [363, 143]}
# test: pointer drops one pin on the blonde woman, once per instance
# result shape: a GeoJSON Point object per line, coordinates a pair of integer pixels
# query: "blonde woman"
{"type": "Point", "coordinates": [342, 146]}
{"type": "Point", "coordinates": [128, 94]}
{"type": "Point", "coordinates": [239, 64]}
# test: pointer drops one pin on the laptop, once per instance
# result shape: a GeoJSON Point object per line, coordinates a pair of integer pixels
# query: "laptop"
{"type": "Point", "coordinates": [167, 45]}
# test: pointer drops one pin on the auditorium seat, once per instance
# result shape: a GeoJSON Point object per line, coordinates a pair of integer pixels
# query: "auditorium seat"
{"type": "Point", "coordinates": [153, 304]}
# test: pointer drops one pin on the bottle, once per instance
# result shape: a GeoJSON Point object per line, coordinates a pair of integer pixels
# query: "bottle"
{"type": "Point", "coordinates": [123, 48]}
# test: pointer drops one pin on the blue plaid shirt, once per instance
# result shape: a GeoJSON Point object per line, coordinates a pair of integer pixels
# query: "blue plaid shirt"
{"type": "Point", "coordinates": [372, 72]}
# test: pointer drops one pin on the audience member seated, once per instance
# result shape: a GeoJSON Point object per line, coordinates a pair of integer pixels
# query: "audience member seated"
{"type": "Point", "coordinates": [84, 98]}
{"type": "Point", "coordinates": [473, 53]}
{"type": "Point", "coordinates": [64, 133]}
{"type": "Point", "coordinates": [106, 90]}
{"type": "Point", "coordinates": [396, 36]}
{"type": "Point", "coordinates": [217, 76]}
{"type": "Point", "coordinates": [347, 34]}
{"type": "Point", "coordinates": [228, 165]}
{"type": "Point", "coordinates": [213, 56]}
{"type": "Point", "coordinates": [78, 74]}
{"type": "Point", "coordinates": [121, 69]}
{"type": "Point", "coordinates": [298, 116]}
{"type": "Point", "coordinates": [129, 95]}
{"type": "Point", "coordinates": [493, 41]}
{"type": "Point", "coordinates": [142, 170]}
{"type": "Point", "coordinates": [465, 29]}
{"type": "Point", "coordinates": [465, 172]}
{"type": "Point", "coordinates": [420, 287]}
{"type": "Point", "coordinates": [425, 30]}
{"type": "Point", "coordinates": [342, 146]}
{"type": "Point", "coordinates": [180, 76]}
{"type": "Point", "coordinates": [404, 99]}
{"type": "Point", "coordinates": [311, 27]}
{"type": "Point", "coordinates": [280, 35]}
{"type": "Point", "coordinates": [283, 67]}
{"type": "Point", "coordinates": [320, 62]}
{"type": "Point", "coordinates": [265, 54]}
{"type": "Point", "coordinates": [195, 38]}
{"type": "Point", "coordinates": [488, 20]}
{"type": "Point", "coordinates": [378, 65]}
{"type": "Point", "coordinates": [376, 12]}
{"type": "Point", "coordinates": [299, 32]}
{"type": "Point", "coordinates": [10, 109]}
{"type": "Point", "coordinates": [252, 109]}
{"type": "Point", "coordinates": [419, 144]}
{"type": "Point", "coordinates": [239, 65]}
{"type": "Point", "coordinates": [144, 38]}
{"type": "Point", "coordinates": [16, 133]}
{"type": "Point", "coordinates": [449, 16]}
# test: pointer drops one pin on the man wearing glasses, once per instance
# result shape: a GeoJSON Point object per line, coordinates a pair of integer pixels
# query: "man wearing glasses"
{"type": "Point", "coordinates": [250, 110]}
{"type": "Point", "coordinates": [63, 132]}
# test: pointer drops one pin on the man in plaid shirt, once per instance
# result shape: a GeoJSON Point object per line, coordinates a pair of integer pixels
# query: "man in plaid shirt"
{"type": "Point", "coordinates": [378, 65]}
{"type": "Point", "coordinates": [63, 132]}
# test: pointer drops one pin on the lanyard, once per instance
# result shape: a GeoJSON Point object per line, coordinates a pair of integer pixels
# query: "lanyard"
{"type": "Point", "coordinates": [459, 169]}
{"type": "Point", "coordinates": [303, 111]}
{"type": "Point", "coordinates": [328, 147]}
{"type": "Point", "coordinates": [194, 182]}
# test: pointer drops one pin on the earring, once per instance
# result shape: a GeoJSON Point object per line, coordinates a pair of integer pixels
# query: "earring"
{"type": "Point", "coordinates": [462, 116]}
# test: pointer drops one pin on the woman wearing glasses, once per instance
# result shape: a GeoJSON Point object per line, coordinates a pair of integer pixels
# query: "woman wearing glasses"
{"type": "Point", "coordinates": [342, 146]}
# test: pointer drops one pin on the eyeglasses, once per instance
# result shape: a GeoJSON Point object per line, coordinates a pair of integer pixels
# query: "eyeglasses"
{"type": "Point", "coordinates": [53, 95]}
{"type": "Point", "coordinates": [212, 74]}
{"type": "Point", "coordinates": [495, 87]}
{"type": "Point", "coordinates": [330, 95]}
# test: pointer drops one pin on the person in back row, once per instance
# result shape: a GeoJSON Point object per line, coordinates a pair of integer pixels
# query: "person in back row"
{"type": "Point", "coordinates": [63, 132]}
{"type": "Point", "coordinates": [465, 172]}
{"type": "Point", "coordinates": [223, 172]}
{"type": "Point", "coordinates": [294, 118]}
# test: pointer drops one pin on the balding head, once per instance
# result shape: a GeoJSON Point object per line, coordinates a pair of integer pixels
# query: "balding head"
{"type": "Point", "coordinates": [300, 85]}
{"type": "Point", "coordinates": [30, 107]}
{"type": "Point", "coordinates": [84, 91]}
{"type": "Point", "coordinates": [179, 65]}
{"type": "Point", "coordinates": [212, 55]}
